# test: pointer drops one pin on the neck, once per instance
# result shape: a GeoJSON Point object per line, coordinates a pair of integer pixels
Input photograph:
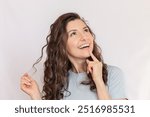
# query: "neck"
{"type": "Point", "coordinates": [78, 65]}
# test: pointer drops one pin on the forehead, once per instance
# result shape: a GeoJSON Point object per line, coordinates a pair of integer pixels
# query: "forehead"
{"type": "Point", "coordinates": [75, 24]}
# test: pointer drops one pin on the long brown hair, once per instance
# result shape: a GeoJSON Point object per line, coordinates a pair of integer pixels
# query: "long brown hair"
{"type": "Point", "coordinates": [57, 64]}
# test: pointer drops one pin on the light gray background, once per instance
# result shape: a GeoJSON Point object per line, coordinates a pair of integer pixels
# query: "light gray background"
{"type": "Point", "coordinates": [122, 29]}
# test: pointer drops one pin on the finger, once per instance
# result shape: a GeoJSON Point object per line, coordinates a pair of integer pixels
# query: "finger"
{"type": "Point", "coordinates": [93, 57]}
{"type": "Point", "coordinates": [90, 69]}
{"type": "Point", "coordinates": [87, 70]}
{"type": "Point", "coordinates": [28, 79]}
{"type": "Point", "coordinates": [28, 76]}
{"type": "Point", "coordinates": [89, 66]}
{"type": "Point", "coordinates": [87, 61]}
{"type": "Point", "coordinates": [24, 77]}
{"type": "Point", "coordinates": [25, 88]}
{"type": "Point", "coordinates": [24, 80]}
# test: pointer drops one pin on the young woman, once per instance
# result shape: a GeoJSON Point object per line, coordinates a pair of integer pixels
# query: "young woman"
{"type": "Point", "coordinates": [74, 68]}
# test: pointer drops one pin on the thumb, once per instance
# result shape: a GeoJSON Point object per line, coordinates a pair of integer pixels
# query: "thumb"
{"type": "Point", "coordinates": [89, 66]}
{"type": "Point", "coordinates": [87, 61]}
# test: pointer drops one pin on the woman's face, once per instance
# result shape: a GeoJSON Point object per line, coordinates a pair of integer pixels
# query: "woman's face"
{"type": "Point", "coordinates": [80, 40]}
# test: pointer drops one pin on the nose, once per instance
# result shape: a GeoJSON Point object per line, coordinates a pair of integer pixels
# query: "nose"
{"type": "Point", "coordinates": [83, 36]}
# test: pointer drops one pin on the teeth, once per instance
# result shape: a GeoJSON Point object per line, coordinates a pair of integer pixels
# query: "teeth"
{"type": "Point", "coordinates": [84, 46]}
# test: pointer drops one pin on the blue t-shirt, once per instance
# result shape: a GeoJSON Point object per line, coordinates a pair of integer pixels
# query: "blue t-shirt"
{"type": "Point", "coordinates": [115, 85]}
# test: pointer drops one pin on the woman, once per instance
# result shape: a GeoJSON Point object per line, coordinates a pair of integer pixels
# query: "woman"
{"type": "Point", "coordinates": [74, 68]}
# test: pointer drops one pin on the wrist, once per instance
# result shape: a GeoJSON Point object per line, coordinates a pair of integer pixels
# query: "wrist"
{"type": "Point", "coordinates": [36, 97]}
{"type": "Point", "coordinates": [98, 80]}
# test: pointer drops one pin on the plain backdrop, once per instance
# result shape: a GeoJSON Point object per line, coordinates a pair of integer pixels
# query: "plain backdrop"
{"type": "Point", "coordinates": [122, 29]}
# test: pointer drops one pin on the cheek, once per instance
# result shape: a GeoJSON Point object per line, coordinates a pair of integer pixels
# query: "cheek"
{"type": "Point", "coordinates": [92, 42]}
{"type": "Point", "coordinates": [72, 43]}
{"type": "Point", "coordinates": [70, 46]}
{"type": "Point", "coordinates": [91, 47]}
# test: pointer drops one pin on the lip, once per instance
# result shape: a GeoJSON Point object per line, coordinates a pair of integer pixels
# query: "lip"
{"type": "Point", "coordinates": [85, 45]}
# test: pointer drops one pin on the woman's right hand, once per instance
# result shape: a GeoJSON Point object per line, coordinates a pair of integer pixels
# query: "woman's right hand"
{"type": "Point", "coordinates": [30, 86]}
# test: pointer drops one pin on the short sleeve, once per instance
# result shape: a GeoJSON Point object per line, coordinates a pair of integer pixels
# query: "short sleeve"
{"type": "Point", "coordinates": [115, 83]}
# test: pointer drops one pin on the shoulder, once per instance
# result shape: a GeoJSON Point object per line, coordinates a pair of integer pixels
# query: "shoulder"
{"type": "Point", "coordinates": [115, 75]}
{"type": "Point", "coordinates": [114, 71]}
{"type": "Point", "coordinates": [115, 82]}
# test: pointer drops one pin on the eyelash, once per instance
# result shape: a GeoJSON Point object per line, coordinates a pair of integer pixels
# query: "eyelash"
{"type": "Point", "coordinates": [86, 30]}
{"type": "Point", "coordinates": [73, 33]}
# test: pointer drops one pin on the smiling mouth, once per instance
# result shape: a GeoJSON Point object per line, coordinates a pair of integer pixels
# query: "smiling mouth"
{"type": "Point", "coordinates": [84, 46]}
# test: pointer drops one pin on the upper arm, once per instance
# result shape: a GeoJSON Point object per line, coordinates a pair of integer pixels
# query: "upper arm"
{"type": "Point", "coordinates": [115, 83]}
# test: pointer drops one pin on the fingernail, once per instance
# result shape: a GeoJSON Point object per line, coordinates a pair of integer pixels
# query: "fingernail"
{"type": "Point", "coordinates": [26, 74]}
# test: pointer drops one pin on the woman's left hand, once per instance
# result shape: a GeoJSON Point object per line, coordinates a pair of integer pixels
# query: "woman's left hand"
{"type": "Point", "coordinates": [95, 68]}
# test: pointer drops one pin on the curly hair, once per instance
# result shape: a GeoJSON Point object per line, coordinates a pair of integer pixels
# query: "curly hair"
{"type": "Point", "coordinates": [57, 64]}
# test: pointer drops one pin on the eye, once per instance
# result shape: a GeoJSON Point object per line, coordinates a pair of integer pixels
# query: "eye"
{"type": "Point", "coordinates": [72, 34]}
{"type": "Point", "coordinates": [86, 30]}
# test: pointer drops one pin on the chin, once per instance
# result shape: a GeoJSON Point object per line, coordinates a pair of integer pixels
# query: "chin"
{"type": "Point", "coordinates": [85, 55]}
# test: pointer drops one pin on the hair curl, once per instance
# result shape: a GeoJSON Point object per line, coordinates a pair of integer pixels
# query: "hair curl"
{"type": "Point", "coordinates": [57, 64]}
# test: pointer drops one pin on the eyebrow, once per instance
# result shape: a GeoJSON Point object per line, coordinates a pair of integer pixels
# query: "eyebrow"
{"type": "Point", "coordinates": [76, 30]}
{"type": "Point", "coordinates": [85, 27]}
{"type": "Point", "coordinates": [72, 30]}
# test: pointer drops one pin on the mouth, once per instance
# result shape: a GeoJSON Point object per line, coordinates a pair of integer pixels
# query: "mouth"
{"type": "Point", "coordinates": [86, 45]}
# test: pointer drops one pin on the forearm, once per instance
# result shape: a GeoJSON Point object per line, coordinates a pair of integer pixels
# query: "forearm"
{"type": "Point", "coordinates": [102, 91]}
{"type": "Point", "coordinates": [36, 96]}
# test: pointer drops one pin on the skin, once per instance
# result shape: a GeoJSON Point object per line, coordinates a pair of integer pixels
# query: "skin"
{"type": "Point", "coordinates": [78, 35]}
{"type": "Point", "coordinates": [30, 86]}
